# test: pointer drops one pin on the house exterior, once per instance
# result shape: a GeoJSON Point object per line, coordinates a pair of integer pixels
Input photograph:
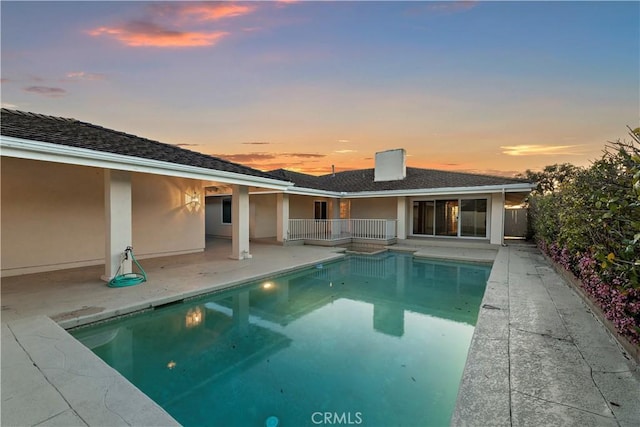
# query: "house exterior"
{"type": "Point", "coordinates": [75, 194]}
{"type": "Point", "coordinates": [413, 202]}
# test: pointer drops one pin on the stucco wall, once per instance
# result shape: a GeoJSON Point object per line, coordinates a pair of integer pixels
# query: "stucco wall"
{"type": "Point", "coordinates": [162, 221]}
{"type": "Point", "coordinates": [376, 208]}
{"type": "Point", "coordinates": [262, 216]}
{"type": "Point", "coordinates": [302, 207]}
{"type": "Point", "coordinates": [53, 216]}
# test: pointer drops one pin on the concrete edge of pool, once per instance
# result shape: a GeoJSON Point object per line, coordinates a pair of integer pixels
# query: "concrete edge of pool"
{"type": "Point", "coordinates": [537, 357]}
{"type": "Point", "coordinates": [70, 384]}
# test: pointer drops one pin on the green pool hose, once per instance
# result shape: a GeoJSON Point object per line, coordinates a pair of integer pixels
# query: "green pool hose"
{"type": "Point", "coordinates": [128, 279]}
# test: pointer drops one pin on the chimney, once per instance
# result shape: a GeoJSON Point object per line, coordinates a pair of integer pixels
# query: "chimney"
{"type": "Point", "coordinates": [391, 165]}
{"type": "Point", "coordinates": [333, 170]}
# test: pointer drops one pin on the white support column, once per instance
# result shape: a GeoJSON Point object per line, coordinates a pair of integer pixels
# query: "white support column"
{"type": "Point", "coordinates": [402, 218]}
{"type": "Point", "coordinates": [240, 222]}
{"type": "Point", "coordinates": [282, 206]}
{"type": "Point", "coordinates": [117, 215]}
{"type": "Point", "coordinates": [497, 219]}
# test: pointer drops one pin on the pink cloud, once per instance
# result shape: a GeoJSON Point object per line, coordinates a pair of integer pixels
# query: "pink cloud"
{"type": "Point", "coordinates": [213, 11]}
{"type": "Point", "coordinates": [148, 34]}
{"type": "Point", "coordinates": [175, 24]}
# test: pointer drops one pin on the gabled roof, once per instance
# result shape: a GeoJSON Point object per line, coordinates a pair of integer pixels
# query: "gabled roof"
{"type": "Point", "coordinates": [78, 134]}
{"type": "Point", "coordinates": [362, 180]}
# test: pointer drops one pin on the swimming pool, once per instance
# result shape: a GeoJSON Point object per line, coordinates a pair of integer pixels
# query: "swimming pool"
{"type": "Point", "coordinates": [369, 340]}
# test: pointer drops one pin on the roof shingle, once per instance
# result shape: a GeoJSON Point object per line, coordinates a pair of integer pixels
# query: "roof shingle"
{"type": "Point", "coordinates": [363, 180]}
{"type": "Point", "coordinates": [75, 133]}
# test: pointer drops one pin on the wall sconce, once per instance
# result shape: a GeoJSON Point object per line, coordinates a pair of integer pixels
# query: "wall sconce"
{"type": "Point", "coordinates": [194, 317]}
{"type": "Point", "coordinates": [192, 200]}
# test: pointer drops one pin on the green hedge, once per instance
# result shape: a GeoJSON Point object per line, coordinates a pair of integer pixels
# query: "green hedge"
{"type": "Point", "coordinates": [590, 224]}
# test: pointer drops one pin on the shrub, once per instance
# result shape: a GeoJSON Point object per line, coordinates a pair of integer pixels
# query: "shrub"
{"type": "Point", "coordinates": [590, 225]}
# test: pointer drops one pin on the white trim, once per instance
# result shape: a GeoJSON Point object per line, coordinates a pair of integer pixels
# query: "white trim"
{"type": "Point", "coordinates": [44, 151]}
{"type": "Point", "coordinates": [507, 188]}
{"type": "Point", "coordinates": [445, 191]}
{"type": "Point", "coordinates": [301, 191]}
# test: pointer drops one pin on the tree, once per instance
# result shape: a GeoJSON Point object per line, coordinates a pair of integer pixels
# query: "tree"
{"type": "Point", "coordinates": [552, 178]}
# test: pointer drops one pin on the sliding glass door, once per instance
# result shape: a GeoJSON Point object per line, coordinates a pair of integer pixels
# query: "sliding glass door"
{"type": "Point", "coordinates": [450, 217]}
{"type": "Point", "coordinates": [473, 218]}
{"type": "Point", "coordinates": [446, 217]}
{"type": "Point", "coordinates": [423, 217]}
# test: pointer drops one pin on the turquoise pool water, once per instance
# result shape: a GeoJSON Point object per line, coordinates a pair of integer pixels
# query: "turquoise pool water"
{"type": "Point", "coordinates": [371, 340]}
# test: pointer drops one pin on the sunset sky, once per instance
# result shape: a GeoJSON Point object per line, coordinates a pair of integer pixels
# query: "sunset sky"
{"type": "Point", "coordinates": [489, 87]}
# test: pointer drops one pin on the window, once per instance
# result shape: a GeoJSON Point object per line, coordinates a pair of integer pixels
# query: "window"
{"type": "Point", "coordinates": [319, 209]}
{"type": "Point", "coordinates": [423, 217]}
{"type": "Point", "coordinates": [226, 210]}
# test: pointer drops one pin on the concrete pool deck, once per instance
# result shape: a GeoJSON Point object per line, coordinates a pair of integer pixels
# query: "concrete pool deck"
{"type": "Point", "coordinates": [538, 357]}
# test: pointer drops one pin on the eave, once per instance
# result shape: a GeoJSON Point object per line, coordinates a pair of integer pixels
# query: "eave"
{"type": "Point", "coordinates": [482, 189]}
{"type": "Point", "coordinates": [44, 151]}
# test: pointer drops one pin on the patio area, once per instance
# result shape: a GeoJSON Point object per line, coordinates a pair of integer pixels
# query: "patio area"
{"type": "Point", "coordinates": [77, 296]}
{"type": "Point", "coordinates": [538, 356]}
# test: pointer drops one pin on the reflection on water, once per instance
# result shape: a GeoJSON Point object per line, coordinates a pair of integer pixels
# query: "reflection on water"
{"type": "Point", "coordinates": [193, 317]}
{"type": "Point", "coordinates": [384, 336]}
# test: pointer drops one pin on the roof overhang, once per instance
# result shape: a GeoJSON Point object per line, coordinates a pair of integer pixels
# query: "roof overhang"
{"type": "Point", "coordinates": [44, 151]}
{"type": "Point", "coordinates": [301, 191]}
{"type": "Point", "coordinates": [429, 192]}
{"type": "Point", "coordinates": [483, 189]}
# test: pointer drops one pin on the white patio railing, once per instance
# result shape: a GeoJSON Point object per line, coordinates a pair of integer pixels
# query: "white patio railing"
{"type": "Point", "coordinates": [336, 229]}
